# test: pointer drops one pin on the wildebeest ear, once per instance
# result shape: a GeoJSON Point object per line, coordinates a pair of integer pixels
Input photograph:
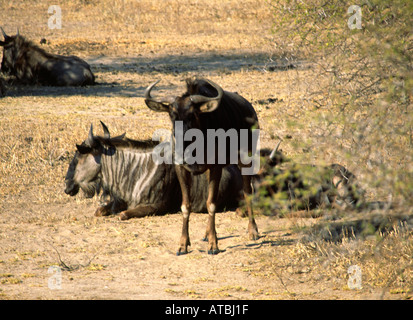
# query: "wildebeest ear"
{"type": "Point", "coordinates": [157, 106]}
{"type": "Point", "coordinates": [6, 44]}
{"type": "Point", "coordinates": [209, 106]}
{"type": "Point", "coordinates": [121, 136]}
{"type": "Point", "coordinates": [83, 149]}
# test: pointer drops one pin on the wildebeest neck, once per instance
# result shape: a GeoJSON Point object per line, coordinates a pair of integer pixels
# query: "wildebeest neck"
{"type": "Point", "coordinates": [129, 172]}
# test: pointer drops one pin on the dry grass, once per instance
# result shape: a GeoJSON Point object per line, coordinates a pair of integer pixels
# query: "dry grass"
{"type": "Point", "coordinates": [384, 260]}
{"type": "Point", "coordinates": [134, 27]}
{"type": "Point", "coordinates": [129, 44]}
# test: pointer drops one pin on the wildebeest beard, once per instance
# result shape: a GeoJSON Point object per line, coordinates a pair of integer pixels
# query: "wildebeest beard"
{"type": "Point", "coordinates": [91, 188]}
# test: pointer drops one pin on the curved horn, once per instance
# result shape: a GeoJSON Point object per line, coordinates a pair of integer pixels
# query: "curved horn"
{"type": "Point", "coordinates": [274, 152]}
{"type": "Point", "coordinates": [89, 140]}
{"type": "Point", "coordinates": [209, 103]}
{"type": "Point", "coordinates": [106, 133]}
{"type": "Point", "coordinates": [4, 33]}
{"type": "Point", "coordinates": [149, 89]}
{"type": "Point", "coordinates": [152, 103]}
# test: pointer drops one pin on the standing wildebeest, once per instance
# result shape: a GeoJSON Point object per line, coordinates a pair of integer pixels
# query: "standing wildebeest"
{"type": "Point", "coordinates": [32, 65]}
{"type": "Point", "coordinates": [206, 106]}
{"type": "Point", "coordinates": [305, 186]}
{"type": "Point", "coordinates": [136, 184]}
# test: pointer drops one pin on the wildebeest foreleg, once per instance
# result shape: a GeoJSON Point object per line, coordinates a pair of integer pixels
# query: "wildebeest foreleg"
{"type": "Point", "coordinates": [112, 207]}
{"type": "Point", "coordinates": [104, 210]}
{"type": "Point", "coordinates": [143, 210]}
{"type": "Point", "coordinates": [214, 178]}
{"type": "Point", "coordinates": [184, 178]}
{"type": "Point", "coordinates": [252, 226]}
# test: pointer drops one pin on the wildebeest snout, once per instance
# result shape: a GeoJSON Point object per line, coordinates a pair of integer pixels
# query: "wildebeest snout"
{"type": "Point", "coordinates": [71, 188]}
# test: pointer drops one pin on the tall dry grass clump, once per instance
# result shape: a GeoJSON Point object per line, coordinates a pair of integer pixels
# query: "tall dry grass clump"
{"type": "Point", "coordinates": [381, 248]}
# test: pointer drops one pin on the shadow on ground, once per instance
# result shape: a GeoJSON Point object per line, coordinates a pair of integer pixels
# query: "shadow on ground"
{"type": "Point", "coordinates": [154, 67]}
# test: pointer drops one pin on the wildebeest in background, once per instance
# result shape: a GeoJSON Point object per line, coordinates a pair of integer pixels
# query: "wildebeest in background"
{"type": "Point", "coordinates": [205, 105]}
{"type": "Point", "coordinates": [138, 186]}
{"type": "Point", "coordinates": [294, 186]}
{"type": "Point", "coordinates": [33, 65]}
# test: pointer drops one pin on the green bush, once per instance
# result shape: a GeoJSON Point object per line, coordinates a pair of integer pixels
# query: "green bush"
{"type": "Point", "coordinates": [362, 94]}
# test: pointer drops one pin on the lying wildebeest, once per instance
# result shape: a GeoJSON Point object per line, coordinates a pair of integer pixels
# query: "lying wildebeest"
{"type": "Point", "coordinates": [138, 186]}
{"type": "Point", "coordinates": [296, 186]}
{"type": "Point", "coordinates": [33, 65]}
{"type": "Point", "coordinates": [205, 106]}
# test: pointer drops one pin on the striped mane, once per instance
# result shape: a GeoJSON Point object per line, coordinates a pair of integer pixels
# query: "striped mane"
{"type": "Point", "coordinates": [123, 143]}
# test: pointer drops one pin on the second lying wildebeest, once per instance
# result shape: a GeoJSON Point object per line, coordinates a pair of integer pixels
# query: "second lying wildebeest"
{"type": "Point", "coordinates": [293, 186]}
{"type": "Point", "coordinates": [205, 106]}
{"type": "Point", "coordinates": [33, 65]}
{"type": "Point", "coordinates": [125, 170]}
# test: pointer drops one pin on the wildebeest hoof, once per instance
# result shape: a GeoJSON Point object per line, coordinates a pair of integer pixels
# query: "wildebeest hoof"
{"type": "Point", "coordinates": [213, 248]}
{"type": "Point", "coordinates": [181, 252]}
{"type": "Point", "coordinates": [254, 236]}
{"type": "Point", "coordinates": [123, 216]}
{"type": "Point", "coordinates": [101, 212]}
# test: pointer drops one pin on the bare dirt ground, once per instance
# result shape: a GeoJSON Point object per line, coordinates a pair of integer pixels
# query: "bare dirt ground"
{"type": "Point", "coordinates": [104, 258]}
